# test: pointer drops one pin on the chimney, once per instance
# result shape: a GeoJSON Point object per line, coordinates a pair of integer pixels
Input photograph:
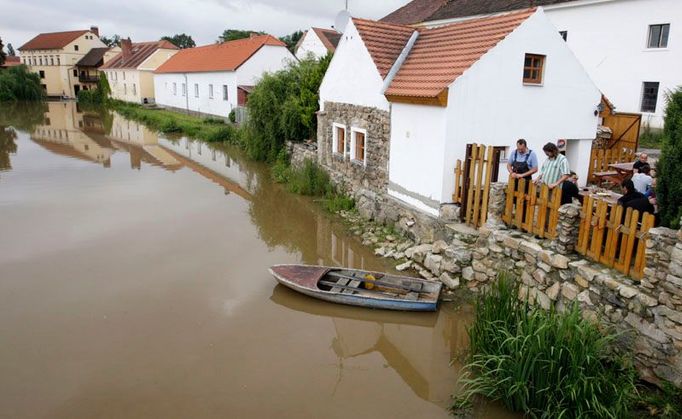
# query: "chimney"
{"type": "Point", "coordinates": [126, 49]}
{"type": "Point", "coordinates": [95, 30]}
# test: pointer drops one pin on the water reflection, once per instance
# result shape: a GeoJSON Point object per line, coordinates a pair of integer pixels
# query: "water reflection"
{"type": "Point", "coordinates": [24, 116]}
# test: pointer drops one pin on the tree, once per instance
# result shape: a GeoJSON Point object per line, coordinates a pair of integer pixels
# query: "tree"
{"type": "Point", "coordinates": [17, 83]}
{"type": "Point", "coordinates": [2, 53]}
{"type": "Point", "coordinates": [181, 41]}
{"type": "Point", "coordinates": [669, 178]}
{"type": "Point", "coordinates": [114, 41]}
{"type": "Point", "coordinates": [291, 40]}
{"type": "Point", "coordinates": [10, 50]}
{"type": "Point", "coordinates": [234, 34]}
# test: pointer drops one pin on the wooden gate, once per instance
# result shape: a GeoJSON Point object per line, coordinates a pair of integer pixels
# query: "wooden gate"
{"type": "Point", "coordinates": [472, 183]}
{"type": "Point", "coordinates": [531, 208]}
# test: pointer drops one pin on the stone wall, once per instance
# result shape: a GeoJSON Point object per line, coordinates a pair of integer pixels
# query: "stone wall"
{"type": "Point", "coordinates": [300, 152]}
{"type": "Point", "coordinates": [349, 175]}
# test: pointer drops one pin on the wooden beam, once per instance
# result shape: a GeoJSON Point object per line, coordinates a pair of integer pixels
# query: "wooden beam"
{"type": "Point", "coordinates": [439, 100]}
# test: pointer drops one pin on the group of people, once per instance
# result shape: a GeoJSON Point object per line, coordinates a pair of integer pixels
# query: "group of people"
{"type": "Point", "coordinates": [555, 171]}
{"type": "Point", "coordinates": [640, 192]}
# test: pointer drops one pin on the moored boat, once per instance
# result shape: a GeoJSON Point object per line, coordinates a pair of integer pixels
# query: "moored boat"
{"type": "Point", "coordinates": [360, 288]}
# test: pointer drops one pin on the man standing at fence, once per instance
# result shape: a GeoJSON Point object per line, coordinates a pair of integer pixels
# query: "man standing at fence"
{"type": "Point", "coordinates": [555, 170]}
{"type": "Point", "coordinates": [523, 163]}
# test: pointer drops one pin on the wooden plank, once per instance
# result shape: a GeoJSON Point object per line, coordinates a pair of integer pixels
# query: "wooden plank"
{"type": "Point", "coordinates": [416, 287]}
{"type": "Point", "coordinates": [640, 255]}
{"type": "Point", "coordinates": [614, 224]}
{"type": "Point", "coordinates": [520, 201]}
{"type": "Point", "coordinates": [472, 172]}
{"type": "Point", "coordinates": [352, 287]}
{"type": "Point", "coordinates": [531, 203]}
{"type": "Point", "coordinates": [584, 233]}
{"type": "Point", "coordinates": [457, 196]}
{"type": "Point", "coordinates": [342, 282]}
{"type": "Point", "coordinates": [509, 204]}
{"type": "Point", "coordinates": [374, 291]}
{"type": "Point", "coordinates": [479, 181]}
{"type": "Point", "coordinates": [542, 211]}
{"type": "Point", "coordinates": [622, 263]}
{"type": "Point", "coordinates": [554, 212]}
{"type": "Point", "coordinates": [598, 231]}
{"type": "Point", "coordinates": [486, 187]}
{"type": "Point", "coordinates": [413, 296]}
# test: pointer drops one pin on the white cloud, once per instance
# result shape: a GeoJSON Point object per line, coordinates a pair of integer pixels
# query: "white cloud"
{"type": "Point", "coordinates": [205, 20]}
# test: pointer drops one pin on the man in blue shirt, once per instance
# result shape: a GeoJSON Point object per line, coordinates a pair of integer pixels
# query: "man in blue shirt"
{"type": "Point", "coordinates": [523, 162]}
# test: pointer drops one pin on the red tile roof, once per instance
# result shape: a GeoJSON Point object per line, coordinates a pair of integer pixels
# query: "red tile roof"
{"type": "Point", "coordinates": [414, 12]}
{"type": "Point", "coordinates": [384, 41]}
{"type": "Point", "coordinates": [442, 54]}
{"type": "Point", "coordinates": [11, 61]}
{"type": "Point", "coordinates": [139, 53]}
{"type": "Point", "coordinates": [54, 40]}
{"type": "Point", "coordinates": [227, 56]}
{"type": "Point", "coordinates": [329, 37]}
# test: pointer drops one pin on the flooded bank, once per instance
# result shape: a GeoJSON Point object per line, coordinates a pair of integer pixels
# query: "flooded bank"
{"type": "Point", "coordinates": [134, 283]}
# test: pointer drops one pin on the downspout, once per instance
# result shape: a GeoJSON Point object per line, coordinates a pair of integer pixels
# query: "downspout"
{"type": "Point", "coordinates": [399, 61]}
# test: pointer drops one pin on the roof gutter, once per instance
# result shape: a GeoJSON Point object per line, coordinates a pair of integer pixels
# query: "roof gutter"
{"type": "Point", "coordinates": [399, 61]}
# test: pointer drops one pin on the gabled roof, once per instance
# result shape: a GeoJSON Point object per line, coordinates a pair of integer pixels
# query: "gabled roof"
{"type": "Point", "coordinates": [418, 11]}
{"type": "Point", "coordinates": [139, 53]}
{"type": "Point", "coordinates": [93, 58]}
{"type": "Point", "coordinates": [227, 56]}
{"type": "Point", "coordinates": [329, 37]}
{"type": "Point", "coordinates": [384, 41]}
{"type": "Point", "coordinates": [11, 61]}
{"type": "Point", "coordinates": [414, 12]}
{"type": "Point", "coordinates": [53, 40]}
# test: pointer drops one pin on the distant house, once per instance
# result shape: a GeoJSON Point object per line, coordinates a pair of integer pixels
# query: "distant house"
{"type": "Point", "coordinates": [131, 72]}
{"type": "Point", "coordinates": [630, 48]}
{"type": "Point", "coordinates": [88, 66]}
{"type": "Point", "coordinates": [399, 104]}
{"type": "Point", "coordinates": [317, 42]}
{"type": "Point", "coordinates": [10, 61]}
{"type": "Point", "coordinates": [214, 79]}
{"type": "Point", "coordinates": [54, 56]}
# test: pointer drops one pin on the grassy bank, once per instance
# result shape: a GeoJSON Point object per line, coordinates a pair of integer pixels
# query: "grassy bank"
{"type": "Point", "coordinates": [544, 364]}
{"type": "Point", "coordinates": [205, 129]}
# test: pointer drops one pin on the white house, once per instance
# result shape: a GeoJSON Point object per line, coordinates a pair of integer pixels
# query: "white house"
{"type": "Point", "coordinates": [131, 72]}
{"type": "Point", "coordinates": [490, 80]}
{"type": "Point", "coordinates": [632, 49]}
{"type": "Point", "coordinates": [214, 79]}
{"type": "Point", "coordinates": [317, 43]}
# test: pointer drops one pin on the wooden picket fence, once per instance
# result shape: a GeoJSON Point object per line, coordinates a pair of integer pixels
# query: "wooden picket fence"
{"type": "Point", "coordinates": [472, 184]}
{"type": "Point", "coordinates": [532, 212]}
{"type": "Point", "coordinates": [613, 236]}
{"type": "Point", "coordinates": [600, 160]}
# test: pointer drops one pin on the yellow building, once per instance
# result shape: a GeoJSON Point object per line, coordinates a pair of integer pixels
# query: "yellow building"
{"type": "Point", "coordinates": [54, 56]}
{"type": "Point", "coordinates": [131, 73]}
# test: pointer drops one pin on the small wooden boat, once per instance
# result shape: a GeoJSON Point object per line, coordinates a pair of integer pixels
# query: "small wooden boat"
{"type": "Point", "coordinates": [360, 288]}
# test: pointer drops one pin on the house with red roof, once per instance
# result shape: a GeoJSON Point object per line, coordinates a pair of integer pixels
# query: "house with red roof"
{"type": "Point", "coordinates": [131, 72]}
{"type": "Point", "coordinates": [317, 43]}
{"type": "Point", "coordinates": [399, 103]}
{"type": "Point", "coordinates": [215, 79]}
{"type": "Point", "coordinates": [10, 61]}
{"type": "Point", "coordinates": [54, 56]}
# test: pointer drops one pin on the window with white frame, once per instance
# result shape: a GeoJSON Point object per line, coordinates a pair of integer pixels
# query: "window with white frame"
{"type": "Point", "coordinates": [339, 138]}
{"type": "Point", "coordinates": [196, 89]}
{"type": "Point", "coordinates": [658, 36]}
{"type": "Point", "coordinates": [358, 140]}
{"type": "Point", "coordinates": [210, 91]}
{"type": "Point", "coordinates": [224, 92]}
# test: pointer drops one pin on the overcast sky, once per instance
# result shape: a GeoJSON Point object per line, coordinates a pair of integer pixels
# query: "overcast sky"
{"type": "Point", "coordinates": [204, 20]}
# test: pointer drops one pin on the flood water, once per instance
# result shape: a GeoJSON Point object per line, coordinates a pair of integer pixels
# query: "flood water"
{"type": "Point", "coordinates": [134, 283]}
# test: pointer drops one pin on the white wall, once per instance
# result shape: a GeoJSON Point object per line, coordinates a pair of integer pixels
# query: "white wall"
{"type": "Point", "coordinates": [163, 88]}
{"type": "Point", "coordinates": [268, 59]}
{"type": "Point", "coordinates": [311, 45]}
{"type": "Point", "coordinates": [489, 104]}
{"type": "Point", "coordinates": [610, 39]}
{"type": "Point", "coordinates": [416, 156]}
{"type": "Point", "coordinates": [122, 81]}
{"type": "Point", "coordinates": [352, 76]}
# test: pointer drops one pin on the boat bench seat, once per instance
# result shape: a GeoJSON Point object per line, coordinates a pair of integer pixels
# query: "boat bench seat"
{"type": "Point", "coordinates": [354, 283]}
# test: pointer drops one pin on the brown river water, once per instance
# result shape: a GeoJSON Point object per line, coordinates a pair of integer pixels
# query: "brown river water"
{"type": "Point", "coordinates": [134, 284]}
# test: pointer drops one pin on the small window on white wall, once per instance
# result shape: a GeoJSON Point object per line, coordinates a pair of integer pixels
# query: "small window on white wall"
{"type": "Point", "coordinates": [224, 92]}
{"type": "Point", "coordinates": [175, 89]}
{"type": "Point", "coordinates": [196, 90]}
{"type": "Point", "coordinates": [339, 138]}
{"type": "Point", "coordinates": [358, 145]}
{"type": "Point", "coordinates": [210, 91]}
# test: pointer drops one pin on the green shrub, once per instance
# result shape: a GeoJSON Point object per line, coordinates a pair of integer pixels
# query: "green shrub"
{"type": "Point", "coordinates": [169, 125]}
{"type": "Point", "coordinates": [544, 364]}
{"type": "Point", "coordinates": [232, 116]}
{"type": "Point", "coordinates": [338, 202]}
{"type": "Point", "coordinates": [669, 179]}
{"type": "Point", "coordinates": [17, 83]}
{"type": "Point", "coordinates": [310, 180]}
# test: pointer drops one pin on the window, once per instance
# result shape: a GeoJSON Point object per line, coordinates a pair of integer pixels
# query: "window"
{"type": "Point", "coordinates": [532, 68]}
{"type": "Point", "coordinates": [58, 63]}
{"type": "Point", "coordinates": [125, 89]}
{"type": "Point", "coordinates": [649, 96]}
{"type": "Point", "coordinates": [358, 144]}
{"type": "Point", "coordinates": [184, 89]}
{"type": "Point", "coordinates": [40, 60]}
{"type": "Point", "coordinates": [210, 91]}
{"type": "Point", "coordinates": [75, 72]}
{"type": "Point", "coordinates": [224, 92]}
{"type": "Point", "coordinates": [51, 60]}
{"type": "Point", "coordinates": [658, 36]}
{"type": "Point", "coordinates": [42, 74]}
{"type": "Point", "coordinates": [339, 137]}
{"type": "Point", "coordinates": [564, 35]}
{"type": "Point", "coordinates": [134, 89]}
{"type": "Point", "coordinates": [196, 89]}
{"type": "Point", "coordinates": [75, 47]}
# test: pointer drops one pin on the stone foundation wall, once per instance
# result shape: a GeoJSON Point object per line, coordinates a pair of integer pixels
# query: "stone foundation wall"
{"type": "Point", "coordinates": [300, 152]}
{"type": "Point", "coordinates": [353, 176]}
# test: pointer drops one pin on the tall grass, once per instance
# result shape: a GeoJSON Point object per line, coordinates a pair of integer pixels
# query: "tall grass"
{"type": "Point", "coordinates": [545, 364]}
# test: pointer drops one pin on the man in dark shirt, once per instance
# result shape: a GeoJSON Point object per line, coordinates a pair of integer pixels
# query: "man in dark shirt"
{"type": "Point", "coordinates": [642, 160]}
{"type": "Point", "coordinates": [569, 189]}
{"type": "Point", "coordinates": [630, 193]}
